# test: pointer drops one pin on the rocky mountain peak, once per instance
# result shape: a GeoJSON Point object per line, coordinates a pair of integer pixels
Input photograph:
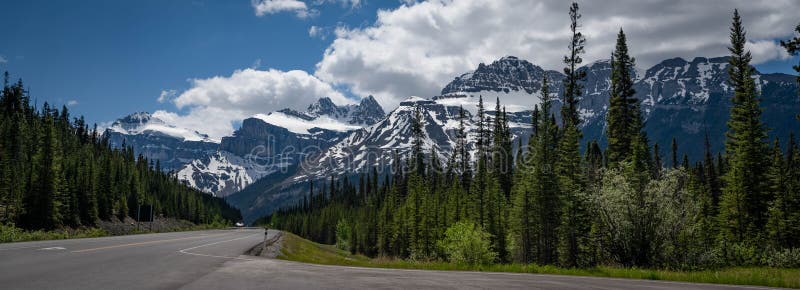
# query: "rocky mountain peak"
{"type": "Point", "coordinates": [368, 111]}
{"type": "Point", "coordinates": [508, 74]}
{"type": "Point", "coordinates": [135, 120]}
{"type": "Point", "coordinates": [323, 106]}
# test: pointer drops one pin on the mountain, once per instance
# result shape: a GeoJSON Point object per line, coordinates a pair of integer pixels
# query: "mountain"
{"type": "Point", "coordinates": [277, 142]}
{"type": "Point", "coordinates": [172, 146]}
{"type": "Point", "coordinates": [681, 99]}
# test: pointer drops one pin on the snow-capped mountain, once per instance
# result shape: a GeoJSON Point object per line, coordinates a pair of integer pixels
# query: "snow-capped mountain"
{"type": "Point", "coordinates": [681, 99]}
{"type": "Point", "coordinates": [276, 142]}
{"type": "Point", "coordinates": [172, 146]}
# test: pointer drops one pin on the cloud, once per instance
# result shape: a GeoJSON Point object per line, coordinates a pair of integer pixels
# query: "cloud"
{"type": "Point", "coordinates": [215, 104]}
{"type": "Point", "coordinates": [3, 59]}
{"type": "Point", "coordinates": [316, 31]}
{"type": "Point", "coordinates": [72, 103]}
{"type": "Point", "coordinates": [352, 4]}
{"type": "Point", "coordinates": [166, 95]}
{"type": "Point", "coordinates": [299, 8]}
{"type": "Point", "coordinates": [256, 64]}
{"type": "Point", "coordinates": [417, 48]}
{"type": "Point", "coordinates": [766, 50]}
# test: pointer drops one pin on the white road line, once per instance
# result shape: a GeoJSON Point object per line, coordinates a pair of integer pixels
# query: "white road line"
{"type": "Point", "coordinates": [185, 251]}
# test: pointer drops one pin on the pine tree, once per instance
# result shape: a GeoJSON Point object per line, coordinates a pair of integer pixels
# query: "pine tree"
{"type": "Point", "coordinates": [42, 204]}
{"type": "Point", "coordinates": [545, 189]}
{"type": "Point", "coordinates": [575, 220]}
{"type": "Point", "coordinates": [743, 208]}
{"type": "Point", "coordinates": [622, 110]}
{"type": "Point", "coordinates": [674, 153]}
{"type": "Point", "coordinates": [418, 136]}
{"type": "Point", "coordinates": [777, 179]}
{"type": "Point", "coordinates": [784, 223]}
{"type": "Point", "coordinates": [792, 46]}
{"type": "Point", "coordinates": [462, 151]}
{"type": "Point", "coordinates": [481, 178]}
{"type": "Point", "coordinates": [657, 163]}
{"type": "Point", "coordinates": [711, 177]}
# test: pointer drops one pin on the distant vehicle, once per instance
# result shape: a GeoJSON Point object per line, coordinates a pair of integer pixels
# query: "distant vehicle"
{"type": "Point", "coordinates": [240, 224]}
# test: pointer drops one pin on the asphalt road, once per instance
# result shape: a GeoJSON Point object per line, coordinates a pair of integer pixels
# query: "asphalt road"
{"type": "Point", "coordinates": [213, 260]}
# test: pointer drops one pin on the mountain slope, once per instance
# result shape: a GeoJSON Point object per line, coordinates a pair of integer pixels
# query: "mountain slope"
{"type": "Point", "coordinates": [681, 99]}
{"type": "Point", "coordinates": [172, 146]}
{"type": "Point", "coordinates": [276, 142]}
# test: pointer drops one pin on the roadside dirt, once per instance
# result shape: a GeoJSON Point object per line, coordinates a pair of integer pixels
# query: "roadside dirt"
{"type": "Point", "coordinates": [270, 248]}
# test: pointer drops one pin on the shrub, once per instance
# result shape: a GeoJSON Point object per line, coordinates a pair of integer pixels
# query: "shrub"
{"type": "Point", "coordinates": [343, 235]}
{"type": "Point", "coordinates": [786, 258]}
{"type": "Point", "coordinates": [466, 242]}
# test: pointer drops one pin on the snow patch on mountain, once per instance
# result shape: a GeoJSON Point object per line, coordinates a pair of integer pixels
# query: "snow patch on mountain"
{"type": "Point", "coordinates": [301, 126]}
{"type": "Point", "coordinates": [224, 173]}
{"type": "Point", "coordinates": [146, 123]}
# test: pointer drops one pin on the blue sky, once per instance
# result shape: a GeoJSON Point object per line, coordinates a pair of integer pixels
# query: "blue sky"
{"type": "Point", "coordinates": [115, 57]}
{"type": "Point", "coordinates": [112, 58]}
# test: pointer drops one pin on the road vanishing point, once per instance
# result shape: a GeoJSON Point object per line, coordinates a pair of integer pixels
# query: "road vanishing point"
{"type": "Point", "coordinates": [215, 259]}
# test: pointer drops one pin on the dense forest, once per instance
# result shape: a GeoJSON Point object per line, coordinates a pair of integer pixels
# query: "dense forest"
{"type": "Point", "coordinates": [549, 203]}
{"type": "Point", "coordinates": [56, 172]}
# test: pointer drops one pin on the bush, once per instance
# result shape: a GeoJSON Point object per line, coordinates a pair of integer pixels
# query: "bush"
{"type": "Point", "coordinates": [740, 254]}
{"type": "Point", "coordinates": [343, 235]}
{"type": "Point", "coordinates": [10, 234]}
{"type": "Point", "coordinates": [786, 258]}
{"type": "Point", "coordinates": [466, 242]}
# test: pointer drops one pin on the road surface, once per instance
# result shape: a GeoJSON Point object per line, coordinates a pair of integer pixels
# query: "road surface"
{"type": "Point", "coordinates": [214, 260]}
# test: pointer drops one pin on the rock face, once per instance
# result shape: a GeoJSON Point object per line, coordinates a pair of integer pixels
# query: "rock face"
{"type": "Point", "coordinates": [277, 142]}
{"type": "Point", "coordinates": [679, 98]}
{"type": "Point", "coordinates": [170, 145]}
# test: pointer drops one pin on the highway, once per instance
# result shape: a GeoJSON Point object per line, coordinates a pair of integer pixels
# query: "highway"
{"type": "Point", "coordinates": [214, 259]}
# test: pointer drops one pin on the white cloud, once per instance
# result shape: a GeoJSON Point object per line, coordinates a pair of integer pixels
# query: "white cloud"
{"type": "Point", "coordinates": [72, 103]}
{"type": "Point", "coordinates": [416, 49]}
{"type": "Point", "coordinates": [299, 8]}
{"type": "Point", "coordinates": [166, 95]}
{"type": "Point", "coordinates": [766, 50]}
{"type": "Point", "coordinates": [3, 59]}
{"type": "Point", "coordinates": [215, 104]}
{"type": "Point", "coordinates": [352, 4]}
{"type": "Point", "coordinates": [316, 31]}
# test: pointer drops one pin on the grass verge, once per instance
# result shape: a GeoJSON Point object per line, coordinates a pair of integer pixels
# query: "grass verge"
{"type": "Point", "coordinates": [10, 234]}
{"type": "Point", "coordinates": [295, 248]}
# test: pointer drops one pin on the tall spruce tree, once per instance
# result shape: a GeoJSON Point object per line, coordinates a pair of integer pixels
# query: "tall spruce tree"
{"type": "Point", "coordinates": [743, 208]}
{"type": "Point", "coordinates": [622, 111]}
{"type": "Point", "coordinates": [575, 221]}
{"type": "Point", "coordinates": [547, 197]}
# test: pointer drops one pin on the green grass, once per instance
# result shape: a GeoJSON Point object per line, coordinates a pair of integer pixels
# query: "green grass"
{"type": "Point", "coordinates": [10, 234]}
{"type": "Point", "coordinates": [295, 248]}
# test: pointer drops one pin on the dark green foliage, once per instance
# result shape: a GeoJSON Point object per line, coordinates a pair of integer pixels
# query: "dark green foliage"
{"type": "Point", "coordinates": [745, 199]}
{"type": "Point", "coordinates": [575, 217]}
{"type": "Point", "coordinates": [784, 213]}
{"type": "Point", "coordinates": [623, 118]}
{"type": "Point", "coordinates": [793, 47]}
{"type": "Point", "coordinates": [56, 172]}
{"type": "Point", "coordinates": [674, 153]}
{"type": "Point", "coordinates": [553, 206]}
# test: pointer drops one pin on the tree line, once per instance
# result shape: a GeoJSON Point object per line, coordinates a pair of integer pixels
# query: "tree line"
{"type": "Point", "coordinates": [57, 172]}
{"type": "Point", "coordinates": [550, 204]}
